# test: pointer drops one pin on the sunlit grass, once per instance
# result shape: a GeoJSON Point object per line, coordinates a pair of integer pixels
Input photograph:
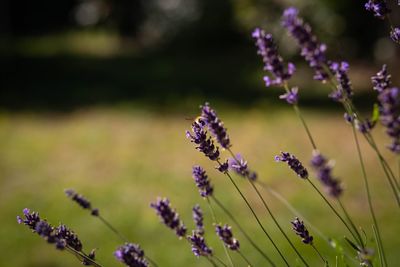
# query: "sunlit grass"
{"type": "Point", "coordinates": [122, 160]}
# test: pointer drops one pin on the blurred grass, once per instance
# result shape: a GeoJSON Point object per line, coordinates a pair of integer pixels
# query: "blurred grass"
{"type": "Point", "coordinates": [122, 159]}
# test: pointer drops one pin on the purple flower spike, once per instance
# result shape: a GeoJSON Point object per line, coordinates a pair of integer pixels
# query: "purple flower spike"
{"type": "Point", "coordinates": [381, 80]}
{"type": "Point", "coordinates": [63, 232]}
{"type": "Point", "coordinates": [293, 163]}
{"type": "Point", "coordinates": [199, 246]}
{"type": "Point", "coordinates": [131, 255]}
{"type": "Point", "coordinates": [239, 165]}
{"type": "Point", "coordinates": [311, 49]}
{"type": "Point", "coordinates": [292, 96]}
{"type": "Point", "coordinates": [343, 90]}
{"type": "Point", "coordinates": [81, 200]}
{"type": "Point", "coordinates": [378, 8]}
{"type": "Point", "coordinates": [301, 230]}
{"type": "Point", "coordinates": [169, 216]}
{"type": "Point", "coordinates": [225, 234]}
{"type": "Point", "coordinates": [324, 174]}
{"type": "Point", "coordinates": [215, 125]}
{"type": "Point", "coordinates": [204, 144]}
{"type": "Point", "coordinates": [202, 181]}
{"type": "Point", "coordinates": [273, 62]}
{"type": "Point", "coordinates": [198, 219]}
{"type": "Point", "coordinates": [31, 219]}
{"type": "Point", "coordinates": [395, 35]}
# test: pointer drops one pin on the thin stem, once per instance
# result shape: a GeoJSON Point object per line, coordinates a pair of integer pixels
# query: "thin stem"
{"type": "Point", "coordinates": [360, 240]}
{"type": "Point", "coordinates": [244, 258]}
{"type": "Point", "coordinates": [215, 222]}
{"type": "Point", "coordinates": [332, 208]}
{"type": "Point", "coordinates": [112, 228]}
{"type": "Point", "coordinates": [83, 256]}
{"type": "Point", "coordinates": [219, 260]}
{"type": "Point", "coordinates": [257, 219]}
{"type": "Point", "coordinates": [320, 255]}
{"type": "Point", "coordinates": [276, 222]}
{"type": "Point", "coordinates": [212, 262]}
{"type": "Point", "coordinates": [122, 237]}
{"type": "Point", "coordinates": [382, 256]}
{"type": "Point", "coordinates": [292, 209]}
{"type": "Point", "coordinates": [297, 110]}
{"type": "Point", "coordinates": [229, 214]}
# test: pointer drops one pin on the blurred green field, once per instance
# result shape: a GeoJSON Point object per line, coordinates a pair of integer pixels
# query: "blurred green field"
{"type": "Point", "coordinates": [123, 159]}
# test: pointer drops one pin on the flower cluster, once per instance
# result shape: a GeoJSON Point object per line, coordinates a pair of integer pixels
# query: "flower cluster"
{"type": "Point", "coordinates": [273, 62]}
{"type": "Point", "coordinates": [225, 234]}
{"type": "Point", "coordinates": [389, 106]}
{"type": "Point", "coordinates": [311, 49]}
{"type": "Point", "coordinates": [199, 246]}
{"type": "Point", "coordinates": [131, 255]}
{"type": "Point", "coordinates": [81, 200]}
{"type": "Point", "coordinates": [198, 219]}
{"type": "Point", "coordinates": [395, 34]}
{"type": "Point", "coordinates": [343, 90]}
{"type": "Point", "coordinates": [169, 216]}
{"type": "Point", "coordinates": [301, 230]}
{"type": "Point", "coordinates": [215, 125]}
{"type": "Point", "coordinates": [292, 96]}
{"type": "Point", "coordinates": [202, 182]}
{"type": "Point", "coordinates": [204, 143]}
{"type": "Point", "coordinates": [324, 173]}
{"type": "Point", "coordinates": [239, 165]}
{"type": "Point", "coordinates": [378, 7]}
{"type": "Point", "coordinates": [60, 236]}
{"type": "Point", "coordinates": [293, 163]}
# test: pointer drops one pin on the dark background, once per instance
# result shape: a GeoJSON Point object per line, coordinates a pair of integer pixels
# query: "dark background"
{"type": "Point", "coordinates": [65, 54]}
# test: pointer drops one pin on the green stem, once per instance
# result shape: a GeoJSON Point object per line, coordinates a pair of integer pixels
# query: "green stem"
{"type": "Point", "coordinates": [229, 214]}
{"type": "Point", "coordinates": [320, 255]}
{"type": "Point", "coordinates": [219, 260]}
{"type": "Point", "coordinates": [212, 262]}
{"type": "Point", "coordinates": [297, 110]}
{"type": "Point", "coordinates": [244, 258]}
{"type": "Point", "coordinates": [256, 217]}
{"type": "Point", "coordinates": [215, 222]}
{"type": "Point", "coordinates": [332, 208]}
{"type": "Point", "coordinates": [382, 256]}
{"type": "Point", "coordinates": [276, 222]}
{"type": "Point", "coordinates": [359, 238]}
{"type": "Point", "coordinates": [81, 255]}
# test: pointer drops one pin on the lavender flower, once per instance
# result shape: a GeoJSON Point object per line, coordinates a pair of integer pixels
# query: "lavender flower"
{"type": "Point", "coordinates": [199, 137]}
{"type": "Point", "coordinates": [389, 107]}
{"type": "Point", "coordinates": [45, 230]}
{"type": "Point", "coordinates": [169, 216]}
{"type": "Point", "coordinates": [63, 232]}
{"type": "Point", "coordinates": [301, 230]}
{"type": "Point", "coordinates": [364, 126]}
{"type": "Point", "coordinates": [293, 163]}
{"type": "Point", "coordinates": [381, 80]}
{"type": "Point", "coordinates": [395, 34]}
{"type": "Point", "coordinates": [215, 125]}
{"type": "Point", "coordinates": [292, 96]}
{"type": "Point", "coordinates": [31, 219]}
{"type": "Point", "coordinates": [223, 167]}
{"type": "Point", "coordinates": [343, 90]}
{"type": "Point", "coordinates": [239, 165]}
{"type": "Point", "coordinates": [311, 49]}
{"type": "Point", "coordinates": [81, 200]}
{"type": "Point", "coordinates": [131, 255]}
{"type": "Point", "coordinates": [324, 174]}
{"type": "Point", "coordinates": [92, 256]}
{"type": "Point", "coordinates": [198, 219]}
{"type": "Point", "coordinates": [199, 246]}
{"type": "Point", "coordinates": [378, 8]}
{"type": "Point", "coordinates": [273, 61]}
{"type": "Point", "coordinates": [202, 181]}
{"type": "Point", "coordinates": [225, 234]}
